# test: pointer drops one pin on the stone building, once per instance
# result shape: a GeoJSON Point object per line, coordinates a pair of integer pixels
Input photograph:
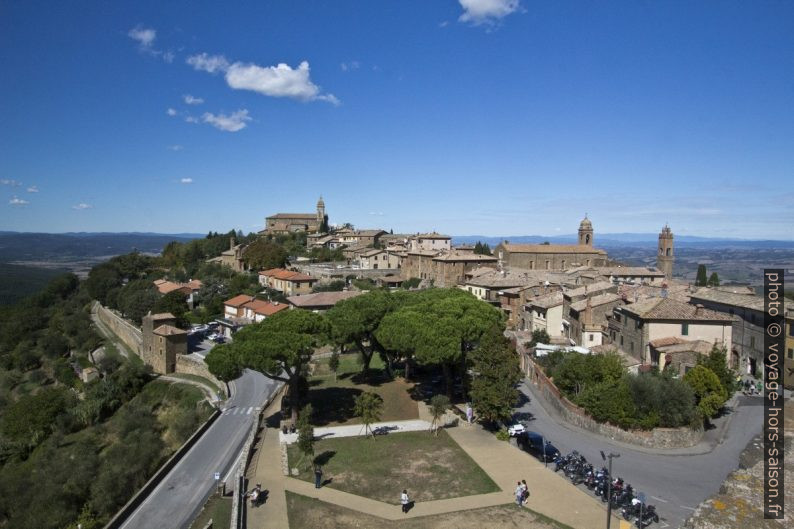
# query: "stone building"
{"type": "Point", "coordinates": [665, 257]}
{"type": "Point", "coordinates": [282, 223]}
{"type": "Point", "coordinates": [747, 312]}
{"type": "Point", "coordinates": [445, 269]}
{"type": "Point", "coordinates": [587, 318]}
{"type": "Point", "coordinates": [553, 256]}
{"type": "Point", "coordinates": [232, 258]}
{"type": "Point", "coordinates": [162, 342]}
{"type": "Point", "coordinates": [633, 327]}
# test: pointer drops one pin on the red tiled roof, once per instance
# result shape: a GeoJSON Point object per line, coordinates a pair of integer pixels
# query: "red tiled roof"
{"type": "Point", "coordinates": [668, 340]}
{"type": "Point", "coordinates": [286, 275]}
{"type": "Point", "coordinates": [237, 301]}
{"type": "Point", "coordinates": [551, 248]}
{"type": "Point", "coordinates": [265, 308]}
{"type": "Point", "coordinates": [168, 330]}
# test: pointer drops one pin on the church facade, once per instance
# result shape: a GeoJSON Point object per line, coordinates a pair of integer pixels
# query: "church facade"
{"type": "Point", "coordinates": [553, 256]}
{"type": "Point", "coordinates": [281, 223]}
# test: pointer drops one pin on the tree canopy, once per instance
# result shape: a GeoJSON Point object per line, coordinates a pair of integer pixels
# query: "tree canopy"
{"type": "Point", "coordinates": [496, 372]}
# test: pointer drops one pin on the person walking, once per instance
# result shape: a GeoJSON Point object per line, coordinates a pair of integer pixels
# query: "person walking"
{"type": "Point", "coordinates": [318, 476]}
{"type": "Point", "coordinates": [519, 494]}
{"type": "Point", "coordinates": [404, 501]}
{"type": "Point", "coordinates": [469, 413]}
{"type": "Point", "coordinates": [525, 495]}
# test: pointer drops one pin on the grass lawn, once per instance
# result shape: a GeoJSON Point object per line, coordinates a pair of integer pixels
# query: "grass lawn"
{"type": "Point", "coordinates": [311, 512]}
{"type": "Point", "coordinates": [332, 398]}
{"type": "Point", "coordinates": [218, 509]}
{"type": "Point", "coordinates": [431, 468]}
{"type": "Point", "coordinates": [196, 378]}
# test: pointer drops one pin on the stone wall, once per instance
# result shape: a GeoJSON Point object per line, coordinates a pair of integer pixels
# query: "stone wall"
{"type": "Point", "coordinates": [573, 414]}
{"type": "Point", "coordinates": [191, 365]}
{"type": "Point", "coordinates": [126, 331]}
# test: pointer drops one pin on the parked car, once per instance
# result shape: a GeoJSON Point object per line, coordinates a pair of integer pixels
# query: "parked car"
{"type": "Point", "coordinates": [516, 429]}
{"type": "Point", "coordinates": [537, 445]}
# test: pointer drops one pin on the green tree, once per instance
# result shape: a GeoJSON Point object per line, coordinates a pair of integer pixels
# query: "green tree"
{"type": "Point", "coordinates": [577, 372]}
{"type": "Point", "coordinates": [333, 286]}
{"type": "Point", "coordinates": [708, 390]}
{"type": "Point", "coordinates": [609, 401]}
{"type": "Point", "coordinates": [263, 254]}
{"type": "Point", "coordinates": [333, 363]}
{"type": "Point", "coordinates": [411, 282]}
{"type": "Point", "coordinates": [28, 421]}
{"type": "Point", "coordinates": [496, 372]}
{"type": "Point", "coordinates": [717, 361]}
{"type": "Point", "coordinates": [539, 336]}
{"type": "Point", "coordinates": [137, 298]}
{"type": "Point", "coordinates": [482, 248]}
{"type": "Point", "coordinates": [700, 279]}
{"type": "Point", "coordinates": [224, 364]}
{"type": "Point", "coordinates": [368, 407]}
{"type": "Point", "coordinates": [176, 303]}
{"type": "Point", "coordinates": [714, 280]}
{"type": "Point", "coordinates": [306, 432]}
{"type": "Point", "coordinates": [280, 347]}
{"type": "Point", "coordinates": [439, 405]}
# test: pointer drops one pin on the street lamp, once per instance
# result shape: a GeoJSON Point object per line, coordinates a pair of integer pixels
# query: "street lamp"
{"type": "Point", "coordinates": [609, 485]}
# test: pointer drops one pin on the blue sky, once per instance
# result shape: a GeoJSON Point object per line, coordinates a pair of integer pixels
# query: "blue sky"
{"type": "Point", "coordinates": [492, 117]}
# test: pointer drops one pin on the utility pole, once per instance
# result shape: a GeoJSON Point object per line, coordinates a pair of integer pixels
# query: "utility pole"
{"type": "Point", "coordinates": [609, 485]}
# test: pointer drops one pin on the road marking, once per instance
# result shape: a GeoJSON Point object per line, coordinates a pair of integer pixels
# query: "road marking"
{"type": "Point", "coordinates": [659, 499]}
{"type": "Point", "coordinates": [685, 507]}
{"type": "Point", "coordinates": [249, 411]}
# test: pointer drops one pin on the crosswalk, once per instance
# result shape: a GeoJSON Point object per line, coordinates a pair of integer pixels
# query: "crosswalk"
{"type": "Point", "coordinates": [240, 411]}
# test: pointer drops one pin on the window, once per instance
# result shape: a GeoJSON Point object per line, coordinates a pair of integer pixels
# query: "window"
{"type": "Point", "coordinates": [621, 339]}
{"type": "Point", "coordinates": [590, 337]}
{"type": "Point", "coordinates": [636, 324]}
{"type": "Point", "coordinates": [752, 342]}
{"type": "Point", "coordinates": [548, 265]}
{"type": "Point", "coordinates": [684, 329]}
{"type": "Point", "coordinates": [791, 330]}
{"type": "Point", "coordinates": [791, 354]}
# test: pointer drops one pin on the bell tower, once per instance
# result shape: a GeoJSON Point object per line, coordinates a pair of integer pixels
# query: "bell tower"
{"type": "Point", "coordinates": [665, 256]}
{"type": "Point", "coordinates": [586, 232]}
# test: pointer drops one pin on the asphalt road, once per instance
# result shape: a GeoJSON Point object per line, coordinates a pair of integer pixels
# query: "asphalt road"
{"type": "Point", "coordinates": [179, 497]}
{"type": "Point", "coordinates": [674, 483]}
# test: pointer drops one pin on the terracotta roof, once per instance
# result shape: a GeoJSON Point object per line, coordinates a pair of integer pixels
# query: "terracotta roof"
{"type": "Point", "coordinates": [425, 253]}
{"type": "Point", "coordinates": [371, 252]}
{"type": "Point", "coordinates": [265, 308]}
{"type": "Point", "coordinates": [432, 235]}
{"type": "Point", "coordinates": [369, 233]}
{"type": "Point", "coordinates": [302, 216]}
{"type": "Point", "coordinates": [671, 309]}
{"type": "Point", "coordinates": [195, 284]}
{"type": "Point", "coordinates": [238, 301]}
{"type": "Point", "coordinates": [729, 298]}
{"type": "Point", "coordinates": [321, 299]}
{"type": "Point", "coordinates": [696, 346]}
{"type": "Point", "coordinates": [547, 301]}
{"type": "Point", "coordinates": [466, 257]}
{"type": "Point", "coordinates": [595, 301]}
{"type": "Point", "coordinates": [495, 279]}
{"type": "Point", "coordinates": [286, 275]}
{"type": "Point", "coordinates": [163, 316]}
{"type": "Point", "coordinates": [551, 248]}
{"type": "Point", "coordinates": [168, 330]}
{"type": "Point", "coordinates": [668, 340]}
{"type": "Point", "coordinates": [630, 271]}
{"type": "Point", "coordinates": [590, 289]}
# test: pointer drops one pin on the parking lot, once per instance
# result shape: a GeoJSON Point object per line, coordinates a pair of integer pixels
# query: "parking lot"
{"type": "Point", "coordinates": [202, 339]}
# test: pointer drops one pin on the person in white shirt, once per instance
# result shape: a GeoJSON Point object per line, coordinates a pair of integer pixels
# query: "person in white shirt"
{"type": "Point", "coordinates": [404, 501]}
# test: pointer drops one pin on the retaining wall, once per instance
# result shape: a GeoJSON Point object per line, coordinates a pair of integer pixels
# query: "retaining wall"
{"type": "Point", "coordinates": [193, 366]}
{"type": "Point", "coordinates": [126, 331]}
{"type": "Point", "coordinates": [655, 438]}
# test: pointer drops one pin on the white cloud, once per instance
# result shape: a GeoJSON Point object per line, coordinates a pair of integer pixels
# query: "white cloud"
{"type": "Point", "coordinates": [171, 112]}
{"type": "Point", "coordinates": [8, 182]}
{"type": "Point", "coordinates": [33, 189]}
{"type": "Point", "coordinates": [175, 147]}
{"type": "Point", "coordinates": [443, 24]}
{"type": "Point", "coordinates": [208, 63]}
{"type": "Point", "coordinates": [231, 123]}
{"type": "Point", "coordinates": [377, 213]}
{"type": "Point", "coordinates": [349, 66]}
{"type": "Point", "coordinates": [18, 201]}
{"type": "Point", "coordinates": [274, 81]}
{"type": "Point", "coordinates": [144, 36]}
{"type": "Point", "coordinates": [169, 56]}
{"type": "Point", "coordinates": [82, 205]}
{"type": "Point", "coordinates": [486, 11]}
{"type": "Point", "coordinates": [191, 119]}
{"type": "Point", "coordinates": [186, 181]}
{"type": "Point", "coordinates": [190, 100]}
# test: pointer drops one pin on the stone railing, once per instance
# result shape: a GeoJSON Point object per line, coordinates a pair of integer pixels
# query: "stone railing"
{"type": "Point", "coordinates": [573, 414]}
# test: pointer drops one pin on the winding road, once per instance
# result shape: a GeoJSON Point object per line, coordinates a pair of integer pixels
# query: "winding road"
{"type": "Point", "coordinates": [675, 481]}
{"type": "Point", "coordinates": [176, 501]}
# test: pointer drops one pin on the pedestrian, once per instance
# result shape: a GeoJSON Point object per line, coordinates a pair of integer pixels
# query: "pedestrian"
{"type": "Point", "coordinates": [759, 387]}
{"type": "Point", "coordinates": [525, 495]}
{"type": "Point", "coordinates": [469, 413]}
{"type": "Point", "coordinates": [318, 476]}
{"type": "Point", "coordinates": [519, 494]}
{"type": "Point", "coordinates": [404, 501]}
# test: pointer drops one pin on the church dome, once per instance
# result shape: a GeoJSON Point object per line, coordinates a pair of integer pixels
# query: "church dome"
{"type": "Point", "coordinates": [585, 224]}
{"type": "Point", "coordinates": [320, 203]}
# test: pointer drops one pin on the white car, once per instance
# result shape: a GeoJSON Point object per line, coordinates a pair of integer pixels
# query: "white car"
{"type": "Point", "coordinates": [516, 429]}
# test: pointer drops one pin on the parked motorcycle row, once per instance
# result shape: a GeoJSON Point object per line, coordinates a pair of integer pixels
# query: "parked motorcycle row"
{"type": "Point", "coordinates": [622, 497]}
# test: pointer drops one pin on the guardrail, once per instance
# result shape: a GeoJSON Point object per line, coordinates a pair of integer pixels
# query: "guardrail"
{"type": "Point", "coordinates": [125, 512]}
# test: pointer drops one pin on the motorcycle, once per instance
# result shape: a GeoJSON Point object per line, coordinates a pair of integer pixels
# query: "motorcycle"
{"type": "Point", "coordinates": [647, 517]}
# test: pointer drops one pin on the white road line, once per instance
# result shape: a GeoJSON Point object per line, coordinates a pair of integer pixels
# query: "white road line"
{"type": "Point", "coordinates": [659, 499]}
{"type": "Point", "coordinates": [249, 411]}
{"type": "Point", "coordinates": [685, 507]}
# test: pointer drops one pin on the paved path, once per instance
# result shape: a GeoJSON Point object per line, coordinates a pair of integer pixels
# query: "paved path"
{"type": "Point", "coordinates": [676, 481]}
{"type": "Point", "coordinates": [551, 494]}
{"type": "Point", "coordinates": [212, 393]}
{"type": "Point", "coordinates": [353, 430]}
{"type": "Point", "coordinates": [176, 501]}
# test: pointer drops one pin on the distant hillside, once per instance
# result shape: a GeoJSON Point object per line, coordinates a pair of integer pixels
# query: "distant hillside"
{"type": "Point", "coordinates": [635, 240]}
{"type": "Point", "coordinates": [64, 247]}
{"type": "Point", "coordinates": [17, 281]}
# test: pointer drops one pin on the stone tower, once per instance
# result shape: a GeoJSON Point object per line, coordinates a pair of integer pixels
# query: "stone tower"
{"type": "Point", "coordinates": [586, 232]}
{"type": "Point", "coordinates": [320, 210]}
{"type": "Point", "coordinates": [665, 257]}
